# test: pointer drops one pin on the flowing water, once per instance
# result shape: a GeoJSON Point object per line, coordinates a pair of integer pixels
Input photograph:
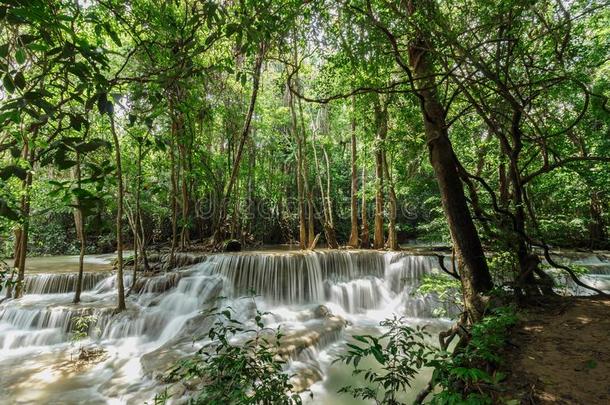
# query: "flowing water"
{"type": "Point", "coordinates": [38, 359]}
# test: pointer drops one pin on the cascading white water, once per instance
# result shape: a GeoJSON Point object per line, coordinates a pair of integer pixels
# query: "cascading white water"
{"type": "Point", "coordinates": [60, 283]}
{"type": "Point", "coordinates": [164, 315]}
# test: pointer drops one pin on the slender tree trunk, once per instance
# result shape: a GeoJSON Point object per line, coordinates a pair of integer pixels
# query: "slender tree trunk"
{"type": "Point", "coordinates": [299, 175]}
{"type": "Point", "coordinates": [353, 237]}
{"type": "Point", "coordinates": [137, 240]}
{"type": "Point", "coordinates": [258, 64]}
{"type": "Point", "coordinates": [329, 230]}
{"type": "Point", "coordinates": [79, 222]}
{"type": "Point", "coordinates": [174, 190]}
{"type": "Point", "coordinates": [16, 257]}
{"type": "Point", "coordinates": [392, 238]}
{"type": "Point", "coordinates": [23, 233]}
{"type": "Point", "coordinates": [119, 218]}
{"type": "Point", "coordinates": [331, 234]}
{"type": "Point", "coordinates": [143, 243]}
{"type": "Point", "coordinates": [307, 189]}
{"type": "Point", "coordinates": [184, 231]}
{"type": "Point", "coordinates": [381, 122]}
{"type": "Point", "coordinates": [597, 228]}
{"type": "Point", "coordinates": [365, 238]}
{"type": "Point", "coordinates": [503, 182]}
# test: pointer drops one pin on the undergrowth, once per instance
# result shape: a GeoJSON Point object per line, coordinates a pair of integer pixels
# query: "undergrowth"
{"type": "Point", "coordinates": [469, 375]}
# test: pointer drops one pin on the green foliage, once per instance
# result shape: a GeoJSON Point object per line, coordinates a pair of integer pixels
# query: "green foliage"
{"type": "Point", "coordinates": [240, 365]}
{"type": "Point", "coordinates": [447, 289]}
{"type": "Point", "coordinates": [81, 326]}
{"type": "Point", "coordinates": [463, 377]}
{"type": "Point", "coordinates": [401, 352]}
{"type": "Point", "coordinates": [503, 266]}
{"type": "Point", "coordinates": [468, 374]}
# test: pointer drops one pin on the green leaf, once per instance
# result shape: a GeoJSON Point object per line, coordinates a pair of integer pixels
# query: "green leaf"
{"type": "Point", "coordinates": [20, 80]}
{"type": "Point", "coordinates": [20, 56]}
{"type": "Point", "coordinates": [113, 34]}
{"type": "Point", "coordinates": [92, 145]}
{"type": "Point", "coordinates": [7, 212]}
{"type": "Point", "coordinates": [378, 354]}
{"type": "Point", "coordinates": [8, 83]}
{"type": "Point", "coordinates": [12, 171]}
{"type": "Point", "coordinates": [102, 101]}
{"type": "Point", "coordinates": [76, 122]}
{"type": "Point", "coordinates": [3, 50]}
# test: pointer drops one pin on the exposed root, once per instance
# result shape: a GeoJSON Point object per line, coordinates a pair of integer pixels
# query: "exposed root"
{"type": "Point", "coordinates": [445, 338]}
{"type": "Point", "coordinates": [573, 276]}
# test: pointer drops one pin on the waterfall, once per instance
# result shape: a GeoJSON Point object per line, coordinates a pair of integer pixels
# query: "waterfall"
{"type": "Point", "coordinates": [60, 282]}
{"type": "Point", "coordinates": [299, 291]}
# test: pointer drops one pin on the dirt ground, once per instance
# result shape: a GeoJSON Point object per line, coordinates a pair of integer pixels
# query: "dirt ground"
{"type": "Point", "coordinates": [560, 353]}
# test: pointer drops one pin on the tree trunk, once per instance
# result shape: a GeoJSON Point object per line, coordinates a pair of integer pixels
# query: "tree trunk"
{"type": "Point", "coordinates": [307, 189]}
{"type": "Point", "coordinates": [119, 218]}
{"type": "Point", "coordinates": [299, 177]}
{"type": "Point", "coordinates": [21, 247]}
{"type": "Point", "coordinates": [474, 273]}
{"type": "Point", "coordinates": [329, 229]}
{"type": "Point", "coordinates": [503, 182]}
{"type": "Point", "coordinates": [381, 124]}
{"type": "Point", "coordinates": [219, 233]}
{"type": "Point", "coordinates": [392, 238]}
{"type": "Point", "coordinates": [353, 237]}
{"type": "Point", "coordinates": [184, 185]}
{"type": "Point", "coordinates": [137, 239]}
{"type": "Point", "coordinates": [597, 228]}
{"type": "Point", "coordinates": [331, 234]}
{"type": "Point", "coordinates": [79, 222]}
{"type": "Point", "coordinates": [174, 189]}
{"type": "Point", "coordinates": [365, 238]}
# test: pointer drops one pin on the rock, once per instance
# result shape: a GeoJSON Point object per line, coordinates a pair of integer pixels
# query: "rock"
{"type": "Point", "coordinates": [317, 334]}
{"type": "Point", "coordinates": [322, 311]}
{"type": "Point", "coordinates": [304, 378]}
{"type": "Point", "coordinates": [231, 245]}
{"type": "Point", "coordinates": [176, 390]}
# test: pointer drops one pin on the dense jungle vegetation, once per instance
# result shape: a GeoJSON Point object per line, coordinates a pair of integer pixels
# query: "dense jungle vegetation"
{"type": "Point", "coordinates": [182, 125]}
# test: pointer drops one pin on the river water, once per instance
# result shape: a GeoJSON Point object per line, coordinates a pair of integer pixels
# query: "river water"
{"type": "Point", "coordinates": [163, 321]}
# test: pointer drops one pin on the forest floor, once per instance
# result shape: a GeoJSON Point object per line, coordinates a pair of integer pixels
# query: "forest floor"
{"type": "Point", "coordinates": [560, 352]}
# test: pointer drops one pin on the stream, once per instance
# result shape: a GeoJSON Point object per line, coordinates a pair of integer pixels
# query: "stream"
{"type": "Point", "coordinates": [317, 298]}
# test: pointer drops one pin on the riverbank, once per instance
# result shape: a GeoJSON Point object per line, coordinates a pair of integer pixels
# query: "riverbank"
{"type": "Point", "coordinates": [559, 353]}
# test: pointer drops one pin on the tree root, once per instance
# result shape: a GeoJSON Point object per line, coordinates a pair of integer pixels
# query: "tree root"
{"type": "Point", "coordinates": [573, 276]}
{"type": "Point", "coordinates": [445, 338]}
{"type": "Point", "coordinates": [441, 263]}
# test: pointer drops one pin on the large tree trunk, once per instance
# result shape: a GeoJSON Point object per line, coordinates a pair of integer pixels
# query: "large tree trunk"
{"type": "Point", "coordinates": [474, 273]}
{"type": "Point", "coordinates": [353, 237]}
{"type": "Point", "coordinates": [119, 218]}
